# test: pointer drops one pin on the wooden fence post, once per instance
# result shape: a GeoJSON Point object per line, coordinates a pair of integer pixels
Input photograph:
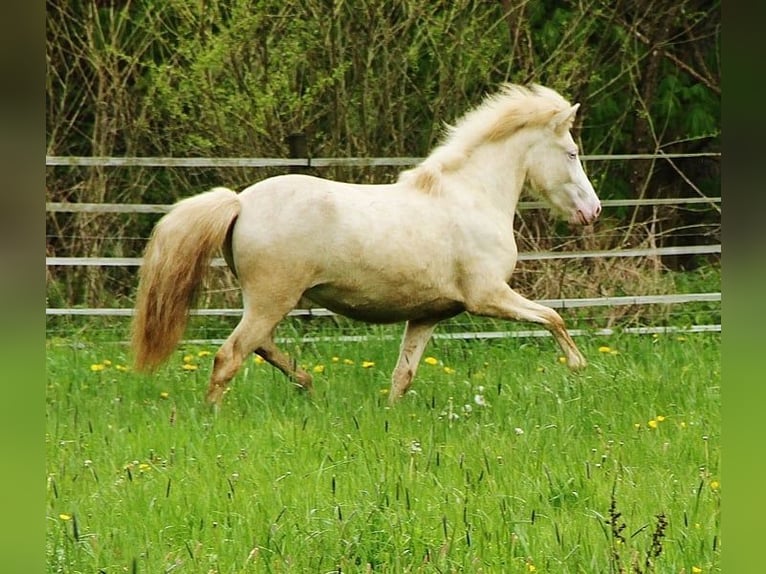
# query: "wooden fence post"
{"type": "Point", "coordinates": [297, 144]}
{"type": "Point", "coordinates": [298, 148]}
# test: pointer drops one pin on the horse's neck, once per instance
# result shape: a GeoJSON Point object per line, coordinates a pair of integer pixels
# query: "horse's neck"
{"type": "Point", "coordinates": [492, 172]}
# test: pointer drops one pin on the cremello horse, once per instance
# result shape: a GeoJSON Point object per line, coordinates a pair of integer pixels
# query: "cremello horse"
{"type": "Point", "coordinates": [438, 242]}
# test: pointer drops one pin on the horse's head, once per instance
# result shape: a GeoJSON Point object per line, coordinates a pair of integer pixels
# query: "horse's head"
{"type": "Point", "coordinates": [556, 173]}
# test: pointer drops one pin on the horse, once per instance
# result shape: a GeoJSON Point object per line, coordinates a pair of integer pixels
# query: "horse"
{"type": "Point", "coordinates": [437, 242]}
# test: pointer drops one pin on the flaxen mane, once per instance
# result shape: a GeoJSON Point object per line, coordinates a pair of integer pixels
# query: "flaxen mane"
{"type": "Point", "coordinates": [496, 118]}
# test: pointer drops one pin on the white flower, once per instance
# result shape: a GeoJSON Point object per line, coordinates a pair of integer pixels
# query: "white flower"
{"type": "Point", "coordinates": [518, 430]}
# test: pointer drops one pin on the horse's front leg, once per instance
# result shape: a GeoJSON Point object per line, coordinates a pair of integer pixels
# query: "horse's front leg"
{"type": "Point", "coordinates": [505, 303]}
{"type": "Point", "coordinates": [416, 337]}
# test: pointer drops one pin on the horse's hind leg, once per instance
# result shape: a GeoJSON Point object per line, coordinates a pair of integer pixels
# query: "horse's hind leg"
{"type": "Point", "coordinates": [271, 353]}
{"type": "Point", "coordinates": [250, 334]}
{"type": "Point", "coordinates": [416, 337]}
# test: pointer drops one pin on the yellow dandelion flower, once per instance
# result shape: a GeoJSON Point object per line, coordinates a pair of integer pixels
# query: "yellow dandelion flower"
{"type": "Point", "coordinates": [383, 391]}
{"type": "Point", "coordinates": [696, 570]}
{"type": "Point", "coordinates": [431, 361]}
{"type": "Point", "coordinates": [188, 358]}
{"type": "Point", "coordinates": [604, 349]}
{"type": "Point", "coordinates": [562, 360]}
{"type": "Point", "coordinates": [258, 360]}
{"type": "Point", "coordinates": [614, 352]}
{"type": "Point", "coordinates": [64, 516]}
{"type": "Point", "coordinates": [348, 362]}
{"type": "Point", "coordinates": [653, 423]}
{"type": "Point", "coordinates": [682, 424]}
{"type": "Point", "coordinates": [189, 367]}
{"type": "Point", "coordinates": [318, 368]}
{"type": "Point", "coordinates": [164, 395]}
{"type": "Point", "coordinates": [143, 467]}
{"type": "Point", "coordinates": [336, 359]}
{"type": "Point", "coordinates": [121, 368]}
{"type": "Point", "coordinates": [96, 367]}
{"type": "Point", "coordinates": [203, 354]}
{"type": "Point", "coordinates": [715, 485]}
{"type": "Point", "coordinates": [660, 418]}
{"type": "Point", "coordinates": [531, 567]}
{"type": "Point", "coordinates": [681, 338]}
{"type": "Point", "coordinates": [106, 362]}
{"type": "Point", "coordinates": [449, 370]}
{"type": "Point", "coordinates": [636, 426]}
{"type": "Point", "coordinates": [368, 364]}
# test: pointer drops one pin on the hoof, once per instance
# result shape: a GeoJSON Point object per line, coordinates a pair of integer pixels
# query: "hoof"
{"type": "Point", "coordinates": [214, 396]}
{"type": "Point", "coordinates": [303, 389]}
{"type": "Point", "coordinates": [394, 396]}
{"type": "Point", "coordinates": [577, 363]}
{"type": "Point", "coordinates": [303, 382]}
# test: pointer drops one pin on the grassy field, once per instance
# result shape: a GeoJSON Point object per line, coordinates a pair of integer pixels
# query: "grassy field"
{"type": "Point", "coordinates": [500, 460]}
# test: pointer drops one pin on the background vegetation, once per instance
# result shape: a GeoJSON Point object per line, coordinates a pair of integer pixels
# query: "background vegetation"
{"type": "Point", "coordinates": [363, 79]}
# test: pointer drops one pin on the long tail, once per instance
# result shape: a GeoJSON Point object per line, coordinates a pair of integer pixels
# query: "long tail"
{"type": "Point", "coordinates": [175, 260]}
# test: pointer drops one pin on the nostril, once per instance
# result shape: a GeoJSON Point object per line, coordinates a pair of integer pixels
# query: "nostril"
{"type": "Point", "coordinates": [598, 210]}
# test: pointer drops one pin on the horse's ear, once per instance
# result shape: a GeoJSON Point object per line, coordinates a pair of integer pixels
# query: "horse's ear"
{"type": "Point", "coordinates": [564, 120]}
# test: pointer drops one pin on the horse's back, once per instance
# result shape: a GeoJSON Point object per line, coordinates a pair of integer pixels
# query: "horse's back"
{"type": "Point", "coordinates": [304, 186]}
{"type": "Point", "coordinates": [297, 206]}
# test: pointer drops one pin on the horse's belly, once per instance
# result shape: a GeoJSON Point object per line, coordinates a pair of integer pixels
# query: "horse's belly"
{"type": "Point", "coordinates": [375, 309]}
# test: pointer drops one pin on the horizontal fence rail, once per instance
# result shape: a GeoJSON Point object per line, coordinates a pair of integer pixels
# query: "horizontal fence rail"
{"type": "Point", "coordinates": [524, 256]}
{"type": "Point", "coordinates": [483, 335]}
{"type": "Point", "coordinates": [68, 207]}
{"type": "Point", "coordinates": [111, 161]}
{"type": "Point", "coordinates": [321, 312]}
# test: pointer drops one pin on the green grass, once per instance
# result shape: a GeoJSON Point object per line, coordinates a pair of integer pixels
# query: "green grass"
{"type": "Point", "coordinates": [143, 477]}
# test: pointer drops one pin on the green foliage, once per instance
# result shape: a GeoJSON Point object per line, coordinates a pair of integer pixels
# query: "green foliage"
{"type": "Point", "coordinates": [692, 109]}
{"type": "Point", "coordinates": [235, 77]}
{"type": "Point", "coordinates": [499, 460]}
